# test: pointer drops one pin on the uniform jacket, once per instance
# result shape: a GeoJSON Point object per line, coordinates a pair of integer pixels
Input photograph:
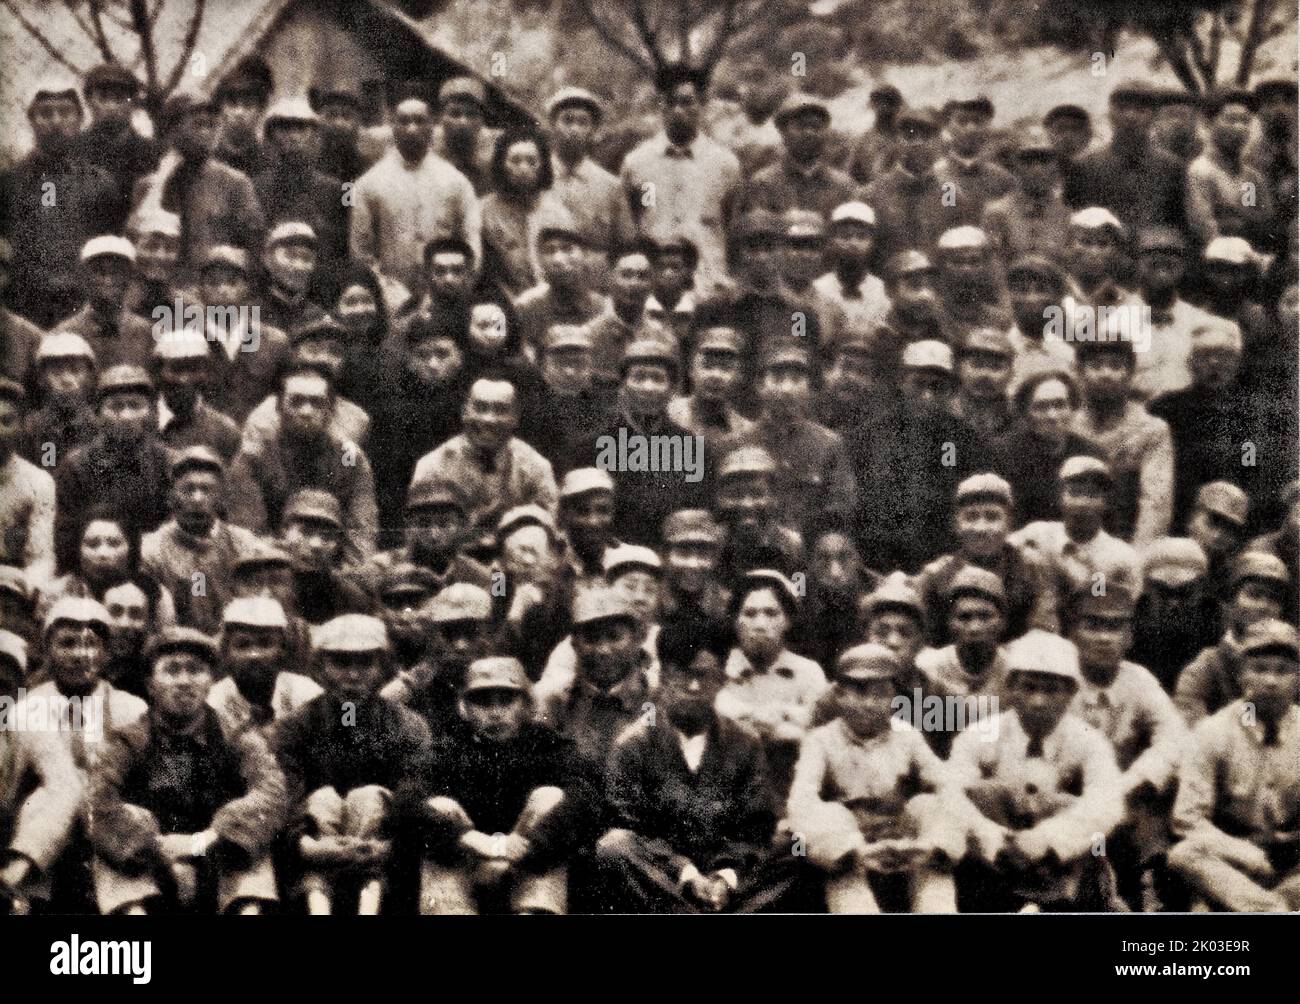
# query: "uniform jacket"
{"type": "Point", "coordinates": [1210, 681]}
{"type": "Point", "coordinates": [205, 426]}
{"type": "Point", "coordinates": [40, 794]}
{"type": "Point", "coordinates": [785, 185]}
{"type": "Point", "coordinates": [1141, 722]}
{"type": "Point", "coordinates": [173, 557]}
{"type": "Point", "coordinates": [520, 476]}
{"type": "Point", "coordinates": [238, 383]}
{"type": "Point", "coordinates": [120, 337]}
{"type": "Point", "coordinates": [27, 518]}
{"type": "Point", "coordinates": [221, 207]}
{"type": "Point", "coordinates": [291, 692]}
{"type": "Point", "coordinates": [1031, 594]}
{"type": "Point", "coordinates": [1140, 453]}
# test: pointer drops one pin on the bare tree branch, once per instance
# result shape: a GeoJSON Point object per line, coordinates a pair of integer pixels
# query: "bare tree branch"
{"type": "Point", "coordinates": [608, 35]}
{"type": "Point", "coordinates": [1178, 61]}
{"type": "Point", "coordinates": [187, 49]}
{"type": "Point", "coordinates": [142, 27]}
{"type": "Point", "coordinates": [101, 39]}
{"type": "Point", "coordinates": [684, 29]}
{"type": "Point", "coordinates": [1216, 42]}
{"type": "Point", "coordinates": [1261, 14]}
{"type": "Point", "coordinates": [39, 36]}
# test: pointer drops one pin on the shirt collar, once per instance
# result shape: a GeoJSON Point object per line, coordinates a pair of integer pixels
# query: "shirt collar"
{"type": "Point", "coordinates": [739, 666]}
{"type": "Point", "coordinates": [629, 693]}
{"type": "Point", "coordinates": [676, 152]}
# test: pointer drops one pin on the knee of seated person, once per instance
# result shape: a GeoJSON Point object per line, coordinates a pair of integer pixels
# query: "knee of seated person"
{"type": "Point", "coordinates": [544, 799]}
{"type": "Point", "coordinates": [446, 807]}
{"type": "Point", "coordinates": [324, 803]}
{"type": "Point", "coordinates": [615, 845]}
{"type": "Point", "coordinates": [368, 798]}
{"type": "Point", "coordinates": [1185, 854]}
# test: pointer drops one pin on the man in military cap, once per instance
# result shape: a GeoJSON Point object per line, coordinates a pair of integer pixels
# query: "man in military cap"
{"type": "Point", "coordinates": [875, 151]}
{"type": "Point", "coordinates": [1260, 584]}
{"type": "Point", "coordinates": [124, 467]}
{"type": "Point", "coordinates": [404, 592]}
{"type": "Point", "coordinates": [159, 280]}
{"type": "Point", "coordinates": [339, 109]}
{"type": "Point", "coordinates": [344, 755]}
{"type": "Point", "coordinates": [199, 846]}
{"type": "Point", "coordinates": [1095, 257]}
{"type": "Point", "coordinates": [622, 320]}
{"type": "Point", "coordinates": [182, 369]}
{"type": "Point", "coordinates": [1176, 126]}
{"type": "Point", "coordinates": [255, 688]}
{"type": "Point", "coordinates": [1175, 616]}
{"type": "Point", "coordinates": [459, 136]}
{"type": "Point", "coordinates": [193, 553]}
{"type": "Point", "coordinates": [803, 260]}
{"type": "Point", "coordinates": [813, 482]}
{"type": "Point", "coordinates": [47, 239]}
{"type": "Point", "coordinates": [1035, 284]}
{"type": "Point", "coordinates": [908, 197]}
{"type": "Point", "coordinates": [110, 141]}
{"type": "Point", "coordinates": [27, 499]}
{"type": "Point", "coordinates": [64, 375]}
{"type": "Point", "coordinates": [876, 836]}
{"type": "Point", "coordinates": [1033, 218]}
{"type": "Point", "coordinates": [972, 291]}
{"type": "Point", "coordinates": [673, 299]}
{"type": "Point", "coordinates": [571, 408]}
{"type": "Point", "coordinates": [911, 282]}
{"type": "Point", "coordinates": [1131, 177]}
{"type": "Point", "coordinates": [757, 535]}
{"type": "Point", "coordinates": [1238, 804]}
{"type": "Point", "coordinates": [1070, 128]}
{"type": "Point", "coordinates": [975, 178]}
{"type": "Point", "coordinates": [239, 102]}
{"type": "Point", "coordinates": [591, 194]}
{"type": "Point", "coordinates": [290, 257]}
{"type": "Point", "coordinates": [587, 519]}
{"type": "Point", "coordinates": [985, 363]}
{"type": "Point", "coordinates": [114, 333]}
{"type": "Point", "coordinates": [1137, 445]}
{"type": "Point", "coordinates": [312, 534]}
{"type": "Point", "coordinates": [1125, 702]}
{"type": "Point", "coordinates": [801, 179]}
{"type": "Point", "coordinates": [499, 803]}
{"type": "Point", "coordinates": [565, 295]}
{"type": "Point", "coordinates": [692, 548]}
{"type": "Point", "coordinates": [1218, 177]}
{"type": "Point", "coordinates": [716, 372]}
{"type": "Point", "coordinates": [1272, 152]}
{"type": "Point", "coordinates": [292, 186]}
{"type": "Point", "coordinates": [851, 284]}
{"type": "Point", "coordinates": [305, 454]}
{"type": "Point", "coordinates": [1218, 524]}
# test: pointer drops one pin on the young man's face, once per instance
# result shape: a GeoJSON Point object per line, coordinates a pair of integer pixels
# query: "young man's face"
{"type": "Point", "coordinates": [179, 685]}
{"type": "Point", "coordinates": [1269, 683]}
{"type": "Point", "coordinates": [648, 387]}
{"type": "Point", "coordinates": [196, 135]}
{"type": "Point", "coordinates": [964, 268]}
{"type": "Point", "coordinates": [1092, 252]}
{"type": "Point", "coordinates": [1160, 270]}
{"type": "Point", "coordinates": [491, 414]}
{"type": "Point", "coordinates": [403, 613]}
{"type": "Point", "coordinates": [562, 261]}
{"type": "Point", "coordinates": [67, 379]}
{"type": "Point", "coordinates": [1131, 121]}
{"type": "Point", "coordinates": [55, 123]}
{"type": "Point", "coordinates": [715, 374]}
{"type": "Point", "coordinates": [460, 642]}
{"type": "Point", "coordinates": [497, 714]}
{"type": "Point", "coordinates": [835, 564]}
{"type": "Point", "coordinates": [1084, 502]}
{"type": "Point", "coordinates": [436, 362]}
{"type": "Point", "coordinates": [412, 129]}
{"type": "Point", "coordinates": [107, 277]}
{"type": "Point", "coordinates": [126, 416]}
{"type": "Point", "coordinates": [128, 619]}
{"type": "Point", "coordinates": [295, 140]}
{"type": "Point", "coordinates": [253, 655]}
{"type": "Point", "coordinates": [608, 649]}
{"type": "Point", "coordinates": [640, 588]}
{"type": "Point", "coordinates": [852, 375]}
{"type": "Point", "coordinates": [523, 166]}
{"type": "Point", "coordinates": [195, 497]}
{"type": "Point", "coordinates": [1031, 294]}
{"type": "Point", "coordinates": [917, 147]}
{"type": "Point", "coordinates": [181, 381]}
{"type": "Point", "coordinates": [760, 259]}
{"type": "Point", "coordinates": [688, 692]}
{"type": "Point", "coordinates": [681, 111]}
{"type": "Point", "coordinates": [969, 130]}
{"type": "Point", "coordinates": [1038, 173]}
{"type": "Point", "coordinates": [1218, 536]}
{"type": "Point", "coordinates": [105, 550]}
{"type": "Point", "coordinates": [487, 328]}
{"type": "Point", "coordinates": [1051, 411]}
{"type": "Point", "coordinates": [340, 120]}
{"type": "Point", "coordinates": [899, 632]}
{"type": "Point", "coordinates": [1102, 638]}
{"type": "Point", "coordinates": [1230, 128]}
{"type": "Point", "coordinates": [746, 502]}
{"type": "Point", "coordinates": [306, 405]}
{"type": "Point", "coordinates": [984, 375]}
{"type": "Point", "coordinates": [803, 260]}
{"type": "Point", "coordinates": [76, 654]}
{"type": "Point", "coordinates": [291, 264]}
{"type": "Point", "coordinates": [224, 286]}
{"type": "Point", "coordinates": [572, 129]}
{"type": "Point", "coordinates": [587, 518]}
{"type": "Point", "coordinates": [1070, 136]}
{"type": "Point", "coordinates": [689, 565]}
{"type": "Point", "coordinates": [982, 528]}
{"type": "Point", "coordinates": [528, 555]}
{"type": "Point", "coordinates": [434, 529]}
{"type": "Point", "coordinates": [975, 623]}
{"type": "Point", "coordinates": [239, 113]}
{"type": "Point", "coordinates": [852, 243]}
{"type": "Point", "coordinates": [761, 625]}
{"type": "Point", "coordinates": [314, 544]}
{"type": "Point", "coordinates": [929, 387]}
{"type": "Point", "coordinates": [567, 371]}
{"type": "Point", "coordinates": [156, 256]}
{"type": "Point", "coordinates": [630, 281]}
{"type": "Point", "coordinates": [1254, 601]}
{"type": "Point", "coordinates": [865, 705]}
{"type": "Point", "coordinates": [785, 390]}
{"type": "Point", "coordinates": [351, 676]}
{"type": "Point", "coordinates": [804, 135]}
{"type": "Point", "coordinates": [672, 273]}
{"type": "Point", "coordinates": [449, 275]}
{"type": "Point", "coordinates": [1040, 700]}
{"type": "Point", "coordinates": [1105, 376]}
{"type": "Point", "coordinates": [357, 309]}
{"type": "Point", "coordinates": [914, 294]}
{"type": "Point", "coordinates": [1214, 368]}
{"type": "Point", "coordinates": [109, 105]}
{"type": "Point", "coordinates": [461, 119]}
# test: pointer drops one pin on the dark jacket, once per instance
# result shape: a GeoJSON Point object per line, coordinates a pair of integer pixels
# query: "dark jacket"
{"type": "Point", "coordinates": [1031, 468]}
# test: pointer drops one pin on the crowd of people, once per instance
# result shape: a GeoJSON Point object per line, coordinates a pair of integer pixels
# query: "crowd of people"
{"type": "Point", "coordinates": [451, 522]}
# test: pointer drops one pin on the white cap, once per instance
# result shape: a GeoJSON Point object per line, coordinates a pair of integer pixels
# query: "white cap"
{"type": "Point", "coordinates": [64, 345]}
{"type": "Point", "coordinates": [108, 244]}
{"type": "Point", "coordinates": [1040, 651]}
{"type": "Point", "coordinates": [962, 237]}
{"type": "Point", "coordinates": [1095, 217]}
{"type": "Point", "coordinates": [630, 556]}
{"type": "Point", "coordinates": [255, 611]}
{"type": "Point", "coordinates": [585, 479]}
{"type": "Point", "coordinates": [928, 354]}
{"type": "Point", "coordinates": [858, 211]}
{"type": "Point", "coordinates": [156, 221]}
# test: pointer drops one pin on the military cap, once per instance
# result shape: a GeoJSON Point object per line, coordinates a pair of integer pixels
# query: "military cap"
{"type": "Point", "coordinates": [313, 504]}
{"type": "Point", "coordinates": [350, 633]}
{"type": "Point", "coordinates": [55, 85]}
{"type": "Point", "coordinates": [1174, 561]}
{"type": "Point", "coordinates": [322, 327]}
{"type": "Point", "coordinates": [124, 377]}
{"type": "Point", "coordinates": [291, 231]}
{"type": "Point", "coordinates": [1271, 635]}
{"type": "Point", "coordinates": [497, 672]}
{"type": "Point", "coordinates": [1039, 651]}
{"type": "Point", "coordinates": [907, 263]}
{"type": "Point", "coordinates": [720, 338]}
{"type": "Point", "coordinates": [1097, 218]}
{"type": "Point", "coordinates": [1230, 251]}
{"type": "Point", "coordinates": [758, 223]}
{"type": "Point", "coordinates": [225, 255]}
{"type": "Point", "coordinates": [467, 88]}
{"type": "Point", "coordinates": [630, 556]}
{"type": "Point", "coordinates": [108, 246]}
{"type": "Point", "coordinates": [1135, 92]}
{"type": "Point", "coordinates": [1262, 567]}
{"type": "Point", "coordinates": [747, 460]}
{"type": "Point", "coordinates": [460, 601]}
{"type": "Point", "coordinates": [1225, 499]}
{"type": "Point", "coordinates": [560, 337]}
{"type": "Point", "coordinates": [11, 390]}
{"type": "Point", "coordinates": [958, 238]}
{"type": "Point", "coordinates": [1160, 237]}
{"type": "Point", "coordinates": [110, 76]}
{"type": "Point", "coordinates": [255, 612]}
{"type": "Point", "coordinates": [985, 487]}
{"type": "Point", "coordinates": [64, 345]}
{"type": "Point", "coordinates": [1118, 599]}
{"type": "Point", "coordinates": [973, 581]}
{"type": "Point", "coordinates": [980, 103]}
{"type": "Point", "coordinates": [923, 117]}
{"type": "Point", "coordinates": [430, 493]}
{"type": "Point", "coordinates": [857, 212]}
{"type": "Point", "coordinates": [1034, 142]}
{"type": "Point", "coordinates": [252, 76]}
{"type": "Point", "coordinates": [580, 96]}
{"type": "Point", "coordinates": [859, 340]}
{"type": "Point", "coordinates": [178, 638]}
{"type": "Point", "coordinates": [196, 457]}
{"type": "Point", "coordinates": [1067, 111]}
{"type": "Point", "coordinates": [893, 593]}
{"type": "Point", "coordinates": [600, 603]}
{"type": "Point", "coordinates": [867, 662]}
{"type": "Point", "coordinates": [995, 341]}
{"type": "Point", "coordinates": [1279, 86]}
{"type": "Point", "coordinates": [1085, 467]}
{"type": "Point", "coordinates": [784, 352]}
{"type": "Point", "coordinates": [180, 104]}
{"type": "Point", "coordinates": [76, 610]}
{"type": "Point", "coordinates": [524, 515]}
{"type": "Point", "coordinates": [1038, 265]}
{"type": "Point", "coordinates": [407, 577]}
{"type": "Point", "coordinates": [582, 480]}
{"type": "Point", "coordinates": [156, 221]}
{"type": "Point", "coordinates": [769, 578]}
{"type": "Point", "coordinates": [928, 354]}
{"type": "Point", "coordinates": [804, 225]}
{"type": "Point", "coordinates": [651, 350]}
{"type": "Point", "coordinates": [1216, 101]}
{"type": "Point", "coordinates": [682, 244]}
{"type": "Point", "coordinates": [181, 343]}
{"type": "Point", "coordinates": [263, 554]}
{"type": "Point", "coordinates": [554, 220]}
{"type": "Point", "coordinates": [13, 580]}
{"type": "Point", "coordinates": [886, 93]}
{"type": "Point", "coordinates": [797, 103]}
{"type": "Point", "coordinates": [14, 648]}
{"type": "Point", "coordinates": [693, 526]}
{"type": "Point", "coordinates": [1217, 335]}
{"type": "Point", "coordinates": [289, 110]}
{"type": "Point", "coordinates": [1169, 97]}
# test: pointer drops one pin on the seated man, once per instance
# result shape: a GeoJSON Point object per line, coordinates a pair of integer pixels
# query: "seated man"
{"type": "Point", "coordinates": [864, 798]}
{"type": "Point", "coordinates": [344, 754]}
{"type": "Point", "coordinates": [689, 790]}
{"type": "Point", "coordinates": [499, 802]}
{"type": "Point", "coordinates": [1238, 804]}
{"type": "Point", "coordinates": [154, 829]}
{"type": "Point", "coordinates": [1046, 786]}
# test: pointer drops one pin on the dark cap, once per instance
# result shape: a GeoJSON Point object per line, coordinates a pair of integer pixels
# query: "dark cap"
{"type": "Point", "coordinates": [199, 458]}
{"type": "Point", "coordinates": [124, 377]}
{"type": "Point", "coordinates": [980, 103]}
{"type": "Point", "coordinates": [314, 504]}
{"type": "Point", "coordinates": [431, 493]}
{"type": "Point", "coordinates": [111, 76]}
{"type": "Point", "coordinates": [1067, 111]}
{"type": "Point", "coordinates": [178, 638]}
{"type": "Point", "coordinates": [923, 117]}
{"type": "Point", "coordinates": [1135, 92]}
